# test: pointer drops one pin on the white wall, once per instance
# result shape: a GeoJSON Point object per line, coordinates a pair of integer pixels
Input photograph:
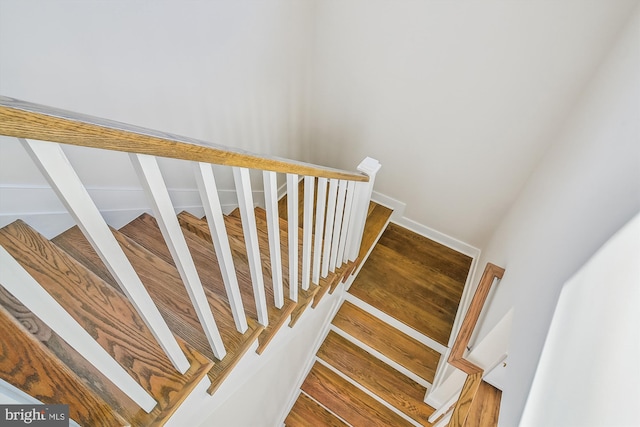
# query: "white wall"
{"type": "Point", "coordinates": [584, 189]}
{"type": "Point", "coordinates": [458, 100]}
{"type": "Point", "coordinates": [588, 372]}
{"type": "Point", "coordinates": [233, 73]}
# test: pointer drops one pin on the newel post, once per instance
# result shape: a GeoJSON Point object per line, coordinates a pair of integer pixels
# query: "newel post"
{"type": "Point", "coordinates": [362, 197]}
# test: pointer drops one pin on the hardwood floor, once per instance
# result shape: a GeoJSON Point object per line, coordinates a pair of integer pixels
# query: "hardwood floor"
{"type": "Point", "coordinates": [415, 280]}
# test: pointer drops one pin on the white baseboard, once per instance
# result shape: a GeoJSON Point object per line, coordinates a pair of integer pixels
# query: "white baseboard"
{"type": "Point", "coordinates": [39, 206]}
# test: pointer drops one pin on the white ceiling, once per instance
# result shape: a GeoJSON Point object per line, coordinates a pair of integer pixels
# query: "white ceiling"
{"type": "Point", "coordinates": [457, 99]}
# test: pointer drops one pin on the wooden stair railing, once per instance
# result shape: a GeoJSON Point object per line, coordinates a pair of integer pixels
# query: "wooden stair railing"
{"type": "Point", "coordinates": [456, 356]}
{"type": "Point", "coordinates": [339, 215]}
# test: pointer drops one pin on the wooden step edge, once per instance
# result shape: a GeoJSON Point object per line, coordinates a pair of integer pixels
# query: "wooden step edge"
{"type": "Point", "coordinates": [223, 369]}
{"type": "Point", "coordinates": [272, 330]}
{"type": "Point", "coordinates": [467, 395]}
{"type": "Point", "coordinates": [28, 365]}
{"type": "Point", "coordinates": [305, 299]}
{"type": "Point", "coordinates": [199, 367]}
{"type": "Point", "coordinates": [376, 376]}
{"type": "Point", "coordinates": [348, 401]}
{"type": "Point", "coordinates": [306, 412]}
{"type": "Point", "coordinates": [322, 291]}
{"type": "Point", "coordinates": [103, 312]}
{"type": "Point", "coordinates": [406, 352]}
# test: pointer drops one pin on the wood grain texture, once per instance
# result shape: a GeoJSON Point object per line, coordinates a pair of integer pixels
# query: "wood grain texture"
{"type": "Point", "coordinates": [463, 405]}
{"type": "Point", "coordinates": [25, 120]}
{"type": "Point", "coordinates": [307, 412]}
{"type": "Point", "coordinates": [415, 280]}
{"type": "Point", "coordinates": [104, 313]}
{"type": "Point", "coordinates": [397, 346]}
{"type": "Point", "coordinates": [347, 401]}
{"type": "Point", "coordinates": [172, 298]}
{"type": "Point", "coordinates": [376, 376]}
{"type": "Point", "coordinates": [491, 272]}
{"type": "Point", "coordinates": [485, 408]}
{"type": "Point", "coordinates": [277, 316]}
{"type": "Point", "coordinates": [31, 367]}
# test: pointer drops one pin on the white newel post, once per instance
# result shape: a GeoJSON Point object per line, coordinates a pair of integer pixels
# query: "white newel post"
{"type": "Point", "coordinates": [362, 197]}
{"type": "Point", "coordinates": [56, 168]}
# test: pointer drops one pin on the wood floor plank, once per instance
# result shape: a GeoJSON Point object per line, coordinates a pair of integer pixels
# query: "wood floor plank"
{"type": "Point", "coordinates": [375, 375]}
{"type": "Point", "coordinates": [31, 367]}
{"type": "Point", "coordinates": [105, 314]}
{"type": "Point", "coordinates": [236, 343]}
{"type": "Point", "coordinates": [397, 346]}
{"type": "Point", "coordinates": [307, 412]}
{"type": "Point", "coordinates": [347, 401]}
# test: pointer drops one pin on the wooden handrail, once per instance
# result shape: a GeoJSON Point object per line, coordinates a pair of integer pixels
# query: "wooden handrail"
{"type": "Point", "coordinates": [32, 121]}
{"type": "Point", "coordinates": [456, 356]}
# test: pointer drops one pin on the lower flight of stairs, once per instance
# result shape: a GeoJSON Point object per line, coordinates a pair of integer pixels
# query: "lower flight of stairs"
{"type": "Point", "coordinates": [366, 373]}
{"type": "Point", "coordinates": [36, 360]}
{"type": "Point", "coordinates": [386, 340]}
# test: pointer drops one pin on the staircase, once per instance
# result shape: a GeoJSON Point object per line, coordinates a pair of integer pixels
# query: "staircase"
{"type": "Point", "coordinates": [125, 325]}
{"type": "Point", "coordinates": [386, 341]}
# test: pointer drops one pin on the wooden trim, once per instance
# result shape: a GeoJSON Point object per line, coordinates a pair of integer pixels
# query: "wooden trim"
{"type": "Point", "coordinates": [32, 121]}
{"type": "Point", "coordinates": [491, 272]}
{"type": "Point", "coordinates": [463, 406]}
{"type": "Point", "coordinates": [456, 356]}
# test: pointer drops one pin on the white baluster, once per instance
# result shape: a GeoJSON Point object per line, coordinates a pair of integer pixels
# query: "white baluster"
{"type": "Point", "coordinates": [292, 220]}
{"type": "Point", "coordinates": [346, 223]}
{"type": "Point", "coordinates": [33, 296]}
{"type": "Point", "coordinates": [151, 178]}
{"type": "Point", "coordinates": [361, 202]}
{"type": "Point", "coordinates": [309, 188]}
{"type": "Point", "coordinates": [328, 229]}
{"type": "Point", "coordinates": [213, 211]}
{"type": "Point", "coordinates": [273, 228]}
{"type": "Point", "coordinates": [56, 168]}
{"type": "Point", "coordinates": [250, 231]}
{"type": "Point", "coordinates": [337, 224]}
{"type": "Point", "coordinates": [317, 243]}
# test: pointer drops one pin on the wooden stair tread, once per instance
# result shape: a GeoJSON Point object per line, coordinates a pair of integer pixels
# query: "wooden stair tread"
{"type": "Point", "coordinates": [88, 374]}
{"type": "Point", "coordinates": [377, 219]}
{"type": "Point", "coordinates": [381, 379]}
{"type": "Point", "coordinates": [277, 317]}
{"type": "Point", "coordinates": [397, 346]}
{"type": "Point", "coordinates": [31, 367]}
{"type": "Point", "coordinates": [485, 407]}
{"type": "Point", "coordinates": [313, 295]}
{"type": "Point", "coordinates": [348, 401]}
{"type": "Point", "coordinates": [236, 343]}
{"type": "Point", "coordinates": [307, 412]}
{"type": "Point", "coordinates": [415, 280]}
{"type": "Point", "coordinates": [106, 315]}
